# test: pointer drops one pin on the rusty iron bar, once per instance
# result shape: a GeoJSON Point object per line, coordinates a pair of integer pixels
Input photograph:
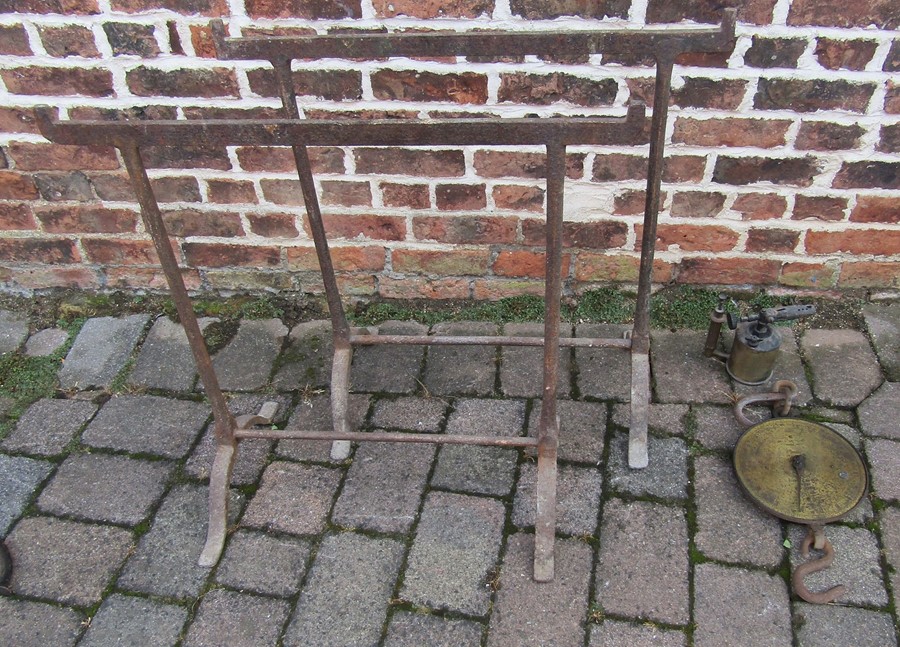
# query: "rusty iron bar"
{"type": "Point", "coordinates": [387, 437]}
{"type": "Point", "coordinates": [474, 340]}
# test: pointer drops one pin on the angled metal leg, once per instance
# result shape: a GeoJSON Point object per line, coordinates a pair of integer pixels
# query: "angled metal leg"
{"type": "Point", "coordinates": [340, 395]}
{"type": "Point", "coordinates": [219, 479]}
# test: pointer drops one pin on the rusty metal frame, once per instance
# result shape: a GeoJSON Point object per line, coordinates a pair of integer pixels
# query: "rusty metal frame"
{"type": "Point", "coordinates": [663, 44]}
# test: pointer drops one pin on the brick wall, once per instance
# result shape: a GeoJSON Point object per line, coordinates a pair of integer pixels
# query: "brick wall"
{"type": "Point", "coordinates": [782, 155]}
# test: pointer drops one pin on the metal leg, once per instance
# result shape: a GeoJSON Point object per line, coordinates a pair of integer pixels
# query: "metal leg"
{"type": "Point", "coordinates": [219, 479]}
{"type": "Point", "coordinates": [340, 394]}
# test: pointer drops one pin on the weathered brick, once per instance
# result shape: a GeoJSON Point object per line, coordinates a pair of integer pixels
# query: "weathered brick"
{"type": "Point", "coordinates": [808, 275]}
{"type": "Point", "coordinates": [466, 230]}
{"type": "Point", "coordinates": [409, 196]}
{"type": "Point", "coordinates": [404, 161]}
{"type": "Point", "coordinates": [854, 241]}
{"type": "Point", "coordinates": [88, 220]}
{"type": "Point", "coordinates": [876, 209]}
{"type": "Point", "coordinates": [192, 222]}
{"type": "Point", "coordinates": [585, 235]}
{"type": "Point", "coordinates": [134, 113]}
{"type": "Point", "coordinates": [809, 95]}
{"type": "Point", "coordinates": [286, 192]}
{"type": "Point", "coordinates": [493, 289]}
{"type": "Point", "coordinates": [722, 271]}
{"type": "Point", "coordinates": [203, 7]}
{"type": "Point", "coordinates": [17, 186]}
{"type": "Point", "coordinates": [14, 41]}
{"type": "Point", "coordinates": [338, 114]}
{"type": "Point", "coordinates": [201, 40]}
{"type": "Point", "coordinates": [524, 263]}
{"type": "Point", "coordinates": [494, 163]}
{"type": "Point", "coordinates": [760, 133]}
{"type": "Point", "coordinates": [892, 61]}
{"type": "Point", "coordinates": [542, 10]}
{"type": "Point", "coordinates": [757, 12]}
{"type": "Point", "coordinates": [692, 238]}
{"type": "Point", "coordinates": [544, 89]}
{"type": "Point", "coordinates": [76, 7]}
{"type": "Point", "coordinates": [33, 250]}
{"type": "Point", "coordinates": [17, 120]}
{"type": "Point", "coordinates": [281, 159]}
{"type": "Point", "coordinates": [868, 175]}
{"type": "Point", "coordinates": [50, 276]}
{"type": "Point", "coordinates": [69, 40]}
{"type": "Point", "coordinates": [869, 274]}
{"type": "Point", "coordinates": [606, 267]}
{"type": "Point", "coordinates": [890, 138]}
{"type": "Point", "coordinates": [131, 38]}
{"type": "Point", "coordinates": [819, 207]}
{"type": "Point", "coordinates": [423, 288]}
{"type": "Point", "coordinates": [186, 157]}
{"type": "Point", "coordinates": [760, 206]}
{"type": "Point", "coordinates": [795, 171]}
{"type": "Point", "coordinates": [772, 240]}
{"type": "Point", "coordinates": [345, 193]}
{"type": "Point", "coordinates": [16, 216]}
{"type": "Point", "coordinates": [833, 13]}
{"type": "Point", "coordinates": [518, 197]}
{"type": "Point", "coordinates": [306, 9]}
{"type": "Point", "coordinates": [147, 278]}
{"type": "Point", "coordinates": [460, 197]}
{"type": "Point", "coordinates": [365, 226]}
{"type": "Point", "coordinates": [892, 98]}
{"type": "Point", "coordinates": [273, 225]}
{"type": "Point", "coordinates": [166, 189]}
{"type": "Point", "coordinates": [697, 204]}
{"type": "Point", "coordinates": [836, 54]}
{"type": "Point", "coordinates": [149, 81]}
{"type": "Point", "coordinates": [108, 251]}
{"type": "Point", "coordinates": [433, 8]}
{"type": "Point", "coordinates": [233, 113]}
{"type": "Point", "coordinates": [631, 202]}
{"type": "Point", "coordinates": [369, 258]}
{"type": "Point", "coordinates": [231, 191]}
{"type": "Point", "coordinates": [58, 81]}
{"type": "Point", "coordinates": [411, 85]}
{"type": "Point", "coordinates": [224, 255]}
{"type": "Point", "coordinates": [332, 85]}
{"type": "Point", "coordinates": [774, 52]}
{"type": "Point", "coordinates": [826, 136]}
{"type": "Point", "coordinates": [56, 187]}
{"type": "Point", "coordinates": [453, 263]}
{"type": "Point", "coordinates": [700, 92]}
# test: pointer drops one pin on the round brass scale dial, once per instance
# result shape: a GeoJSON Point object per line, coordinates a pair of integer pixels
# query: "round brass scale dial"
{"type": "Point", "coordinates": [800, 471]}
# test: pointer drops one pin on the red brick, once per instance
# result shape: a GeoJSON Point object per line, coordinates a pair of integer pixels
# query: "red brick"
{"type": "Point", "coordinates": [810, 95]}
{"type": "Point", "coordinates": [188, 7]}
{"type": "Point", "coordinates": [369, 258]}
{"type": "Point", "coordinates": [819, 207]}
{"type": "Point", "coordinates": [840, 13]}
{"type": "Point", "coordinates": [148, 278]}
{"type": "Point", "coordinates": [774, 52]}
{"type": "Point", "coordinates": [854, 241]}
{"type": "Point", "coordinates": [632, 202]}
{"type": "Point", "coordinates": [16, 216]}
{"type": "Point", "coordinates": [433, 8]}
{"type": "Point", "coordinates": [344, 193]}
{"type": "Point", "coordinates": [868, 175]}
{"type": "Point", "coordinates": [461, 262]}
{"type": "Point", "coordinates": [59, 187]}
{"type": "Point", "coordinates": [17, 120]}
{"type": "Point", "coordinates": [544, 89]}
{"type": "Point", "coordinates": [876, 209]}
{"type": "Point", "coordinates": [281, 159]}
{"type": "Point", "coordinates": [466, 230]}
{"type": "Point", "coordinates": [494, 163]}
{"type": "Point", "coordinates": [54, 157]}
{"type": "Point", "coordinates": [186, 157]}
{"type": "Point", "coordinates": [405, 161]}
{"type": "Point", "coordinates": [692, 238]}
{"type": "Point", "coordinates": [697, 204]}
{"type": "Point", "coordinates": [890, 139]}
{"type": "Point", "coordinates": [88, 220]}
{"type": "Point", "coordinates": [256, 32]}
{"type": "Point", "coordinates": [58, 81]}
{"type": "Point", "coordinates": [306, 9]}
{"type": "Point", "coordinates": [826, 136]}
{"type": "Point", "coordinates": [410, 85]}
{"type": "Point", "coordinates": [16, 186]}
{"type": "Point", "coordinates": [118, 188]}
{"type": "Point", "coordinates": [760, 206]}
{"type": "Point", "coordinates": [131, 39]}
{"type": "Point", "coordinates": [202, 42]}
{"type": "Point", "coordinates": [760, 133]}
{"type": "Point", "coordinates": [807, 275]}
{"type": "Point", "coordinates": [870, 275]}
{"type": "Point", "coordinates": [69, 40]}
{"type": "Point", "coordinates": [332, 85]}
{"type": "Point", "coordinates": [460, 197]}
{"type": "Point", "coordinates": [273, 225]}
{"type": "Point", "coordinates": [364, 226]}
{"type": "Point", "coordinates": [325, 113]}
{"type": "Point", "coordinates": [134, 113]}
{"type": "Point", "coordinates": [772, 240]}
{"type": "Point", "coordinates": [835, 54]}
{"type": "Point", "coordinates": [795, 171]}
{"type": "Point", "coordinates": [41, 278]}
{"type": "Point", "coordinates": [39, 250]}
{"type": "Point", "coordinates": [76, 7]}
{"type": "Point", "coordinates": [285, 192]}
{"type": "Point", "coordinates": [233, 113]}
{"type": "Point", "coordinates": [493, 289]}
{"type": "Point", "coordinates": [683, 168]}
{"type": "Point", "coordinates": [615, 167]}
{"type": "Point", "coordinates": [757, 12]}
{"type": "Point", "coordinates": [728, 271]}
{"type": "Point", "coordinates": [524, 263]}
{"type": "Point", "coordinates": [892, 61]}
{"type": "Point", "coordinates": [621, 269]}
{"type": "Point", "coordinates": [107, 251]}
{"type": "Point", "coordinates": [892, 98]}
{"type": "Point", "coordinates": [231, 191]}
{"type": "Point", "coordinates": [14, 41]}
{"type": "Point", "coordinates": [586, 235]}
{"type": "Point", "coordinates": [149, 82]}
{"type": "Point", "coordinates": [700, 92]}
{"type": "Point", "coordinates": [191, 222]}
{"type": "Point", "coordinates": [423, 288]}
{"type": "Point", "coordinates": [549, 9]}
{"type": "Point", "coordinates": [224, 255]}
{"type": "Point", "coordinates": [409, 196]}
{"type": "Point", "coordinates": [520, 198]}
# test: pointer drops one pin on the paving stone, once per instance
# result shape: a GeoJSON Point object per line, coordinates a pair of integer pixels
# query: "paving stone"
{"type": "Point", "coordinates": [788, 366]}
{"type": "Point", "coordinates": [582, 429]}
{"type": "Point", "coordinates": [614, 633]}
{"type": "Point", "coordinates": [856, 565]}
{"type": "Point", "coordinates": [315, 414]}
{"type": "Point", "coordinates": [717, 428]}
{"type": "Point", "coordinates": [664, 418]}
{"type": "Point", "coordinates": [48, 425]}
{"type": "Point", "coordinates": [236, 620]}
{"type": "Point", "coordinates": [859, 373]}
{"type": "Point", "coordinates": [252, 454]}
{"type": "Point", "coordinates": [550, 613]}
{"type": "Point", "coordinates": [832, 415]}
{"type": "Point", "coordinates": [165, 562]}
{"type": "Point", "coordinates": [346, 597]}
{"type": "Point", "coordinates": [265, 564]}
{"type": "Point", "coordinates": [416, 629]}
{"type": "Point", "coordinates": [603, 373]}
{"type": "Point", "coordinates": [368, 373]}
{"type": "Point", "coordinates": [454, 553]}
{"type": "Point", "coordinates": [33, 624]}
{"type": "Point", "coordinates": [729, 527]}
{"type": "Point", "coordinates": [838, 626]}
{"type": "Point", "coordinates": [522, 367]}
{"type": "Point", "coordinates": [166, 361]}
{"type": "Point", "coordinates": [577, 498]}
{"type": "Point", "coordinates": [19, 477]}
{"type": "Point", "coordinates": [880, 413]}
{"type": "Point", "coordinates": [731, 604]}
{"type": "Point", "coordinates": [410, 413]}
{"type": "Point", "coordinates": [46, 342]}
{"type": "Point", "coordinates": [147, 424]}
{"type": "Point", "coordinates": [101, 350]}
{"type": "Point", "coordinates": [884, 459]}
{"type": "Point", "coordinates": [246, 362]}
{"type": "Point", "coordinates": [481, 470]}
{"type": "Point", "coordinates": [680, 371]}
{"type": "Point", "coordinates": [640, 543]}
{"type": "Point", "coordinates": [64, 560]}
{"type": "Point", "coordinates": [306, 362]}
{"type": "Point", "coordinates": [127, 620]}
{"type": "Point", "coordinates": [293, 498]}
{"type": "Point", "coordinates": [666, 475]}
{"type": "Point", "coordinates": [384, 487]}
{"type": "Point", "coordinates": [883, 323]}
{"type": "Point", "coordinates": [461, 370]}
{"type": "Point", "coordinates": [114, 489]}
{"type": "Point", "coordinates": [889, 519]}
{"type": "Point", "coordinates": [13, 331]}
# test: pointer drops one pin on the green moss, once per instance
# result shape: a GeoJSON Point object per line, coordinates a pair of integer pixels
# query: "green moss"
{"type": "Point", "coordinates": [682, 307]}
{"type": "Point", "coordinates": [604, 305]}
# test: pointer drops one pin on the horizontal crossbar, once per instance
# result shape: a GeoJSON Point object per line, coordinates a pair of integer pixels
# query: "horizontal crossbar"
{"type": "Point", "coordinates": [487, 340]}
{"type": "Point", "coordinates": [387, 437]}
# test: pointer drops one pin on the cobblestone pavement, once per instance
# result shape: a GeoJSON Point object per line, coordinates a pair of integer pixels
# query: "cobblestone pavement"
{"type": "Point", "coordinates": [103, 498]}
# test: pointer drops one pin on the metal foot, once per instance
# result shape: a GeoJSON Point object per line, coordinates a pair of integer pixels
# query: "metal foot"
{"type": "Point", "coordinates": [219, 479]}
{"type": "Point", "coordinates": [340, 396]}
{"type": "Point", "coordinates": [545, 514]}
{"type": "Point", "coordinates": [638, 457]}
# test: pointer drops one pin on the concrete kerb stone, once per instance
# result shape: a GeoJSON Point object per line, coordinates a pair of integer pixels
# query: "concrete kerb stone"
{"type": "Point", "coordinates": [859, 373]}
{"type": "Point", "coordinates": [246, 362]}
{"type": "Point", "coordinates": [48, 425]}
{"type": "Point", "coordinates": [165, 360]}
{"type": "Point", "coordinates": [100, 351]}
{"type": "Point", "coordinates": [13, 331]}
{"type": "Point", "coordinates": [879, 414]}
{"type": "Point", "coordinates": [883, 323]}
{"type": "Point", "coordinates": [19, 478]}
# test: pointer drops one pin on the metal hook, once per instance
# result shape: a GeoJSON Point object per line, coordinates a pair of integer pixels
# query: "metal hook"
{"type": "Point", "coordinates": [817, 537]}
{"type": "Point", "coordinates": [784, 394]}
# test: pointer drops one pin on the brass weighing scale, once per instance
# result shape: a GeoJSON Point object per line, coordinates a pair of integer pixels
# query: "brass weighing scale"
{"type": "Point", "coordinates": [806, 473]}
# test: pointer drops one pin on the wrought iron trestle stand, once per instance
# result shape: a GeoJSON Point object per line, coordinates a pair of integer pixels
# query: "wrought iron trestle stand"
{"type": "Point", "coordinates": [554, 134]}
